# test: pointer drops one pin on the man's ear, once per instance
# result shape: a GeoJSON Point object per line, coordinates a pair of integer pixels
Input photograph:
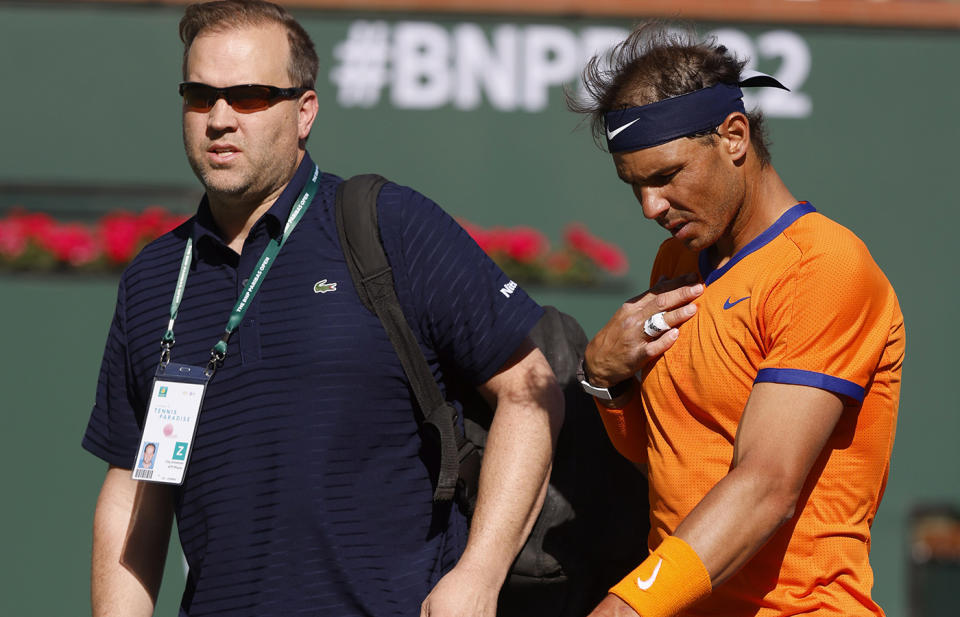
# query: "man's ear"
{"type": "Point", "coordinates": [735, 135]}
{"type": "Point", "coordinates": [309, 107]}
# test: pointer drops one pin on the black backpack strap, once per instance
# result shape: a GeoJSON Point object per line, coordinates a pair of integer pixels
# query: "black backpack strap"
{"type": "Point", "coordinates": [356, 212]}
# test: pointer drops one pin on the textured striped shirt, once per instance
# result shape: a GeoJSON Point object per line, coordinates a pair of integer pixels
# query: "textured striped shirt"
{"type": "Point", "coordinates": [308, 489]}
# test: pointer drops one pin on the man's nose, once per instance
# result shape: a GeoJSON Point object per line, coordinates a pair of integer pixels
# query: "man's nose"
{"type": "Point", "coordinates": [652, 201]}
{"type": "Point", "coordinates": [221, 116]}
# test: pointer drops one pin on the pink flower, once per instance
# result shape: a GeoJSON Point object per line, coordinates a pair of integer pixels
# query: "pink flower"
{"type": "Point", "coordinates": [604, 255]}
{"type": "Point", "coordinates": [13, 239]}
{"type": "Point", "coordinates": [525, 244]}
{"type": "Point", "coordinates": [479, 235]}
{"type": "Point", "coordinates": [172, 222]}
{"type": "Point", "coordinates": [34, 239]}
{"type": "Point", "coordinates": [151, 222]}
{"type": "Point", "coordinates": [577, 236]}
{"type": "Point", "coordinates": [155, 221]}
{"type": "Point", "coordinates": [33, 225]}
{"type": "Point", "coordinates": [611, 259]}
{"type": "Point", "coordinates": [71, 243]}
{"type": "Point", "coordinates": [497, 241]}
{"type": "Point", "coordinates": [121, 233]}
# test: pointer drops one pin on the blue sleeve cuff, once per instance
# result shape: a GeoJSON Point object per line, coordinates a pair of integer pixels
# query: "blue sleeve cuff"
{"type": "Point", "coordinates": [520, 331]}
{"type": "Point", "coordinates": [810, 378]}
{"type": "Point", "coordinates": [111, 458]}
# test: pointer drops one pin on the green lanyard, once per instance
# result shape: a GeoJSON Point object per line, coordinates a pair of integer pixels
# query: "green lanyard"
{"type": "Point", "coordinates": [219, 351]}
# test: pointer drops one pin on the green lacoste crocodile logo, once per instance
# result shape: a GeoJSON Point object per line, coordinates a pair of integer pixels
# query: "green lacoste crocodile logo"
{"type": "Point", "coordinates": [323, 287]}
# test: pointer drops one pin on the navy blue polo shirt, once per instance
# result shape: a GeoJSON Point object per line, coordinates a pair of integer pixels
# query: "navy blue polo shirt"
{"type": "Point", "coordinates": [307, 490]}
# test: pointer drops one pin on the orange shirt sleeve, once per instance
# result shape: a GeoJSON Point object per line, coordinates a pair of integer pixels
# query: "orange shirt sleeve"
{"type": "Point", "coordinates": [827, 320]}
{"type": "Point", "coordinates": [627, 428]}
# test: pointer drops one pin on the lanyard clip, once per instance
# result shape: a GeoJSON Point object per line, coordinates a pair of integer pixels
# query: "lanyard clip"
{"type": "Point", "coordinates": [166, 344]}
{"type": "Point", "coordinates": [215, 361]}
{"type": "Point", "coordinates": [217, 354]}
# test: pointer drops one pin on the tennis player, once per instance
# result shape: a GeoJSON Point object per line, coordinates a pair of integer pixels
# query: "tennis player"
{"type": "Point", "coordinates": [767, 426]}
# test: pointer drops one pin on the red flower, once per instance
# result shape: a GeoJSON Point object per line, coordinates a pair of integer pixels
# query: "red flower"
{"type": "Point", "coordinates": [151, 222]}
{"type": "Point", "coordinates": [71, 243]}
{"type": "Point", "coordinates": [30, 239]}
{"type": "Point", "coordinates": [155, 221]}
{"type": "Point", "coordinates": [497, 241]}
{"type": "Point", "coordinates": [23, 229]}
{"type": "Point", "coordinates": [121, 234]}
{"type": "Point", "coordinates": [172, 222]}
{"type": "Point", "coordinates": [577, 236]}
{"type": "Point", "coordinates": [611, 259]}
{"type": "Point", "coordinates": [33, 225]}
{"type": "Point", "coordinates": [479, 235]}
{"type": "Point", "coordinates": [604, 255]}
{"type": "Point", "coordinates": [13, 239]}
{"type": "Point", "coordinates": [525, 244]}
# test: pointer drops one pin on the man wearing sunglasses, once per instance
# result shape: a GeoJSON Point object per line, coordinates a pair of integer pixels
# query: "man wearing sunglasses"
{"type": "Point", "coordinates": [307, 488]}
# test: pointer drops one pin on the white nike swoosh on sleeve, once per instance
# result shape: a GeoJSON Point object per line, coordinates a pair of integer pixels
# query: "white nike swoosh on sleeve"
{"type": "Point", "coordinates": [614, 133]}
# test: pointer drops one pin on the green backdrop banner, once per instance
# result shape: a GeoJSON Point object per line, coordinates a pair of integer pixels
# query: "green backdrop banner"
{"type": "Point", "coordinates": [470, 110]}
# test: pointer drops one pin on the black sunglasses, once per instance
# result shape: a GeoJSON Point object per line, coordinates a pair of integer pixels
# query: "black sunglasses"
{"type": "Point", "coordinates": [246, 98]}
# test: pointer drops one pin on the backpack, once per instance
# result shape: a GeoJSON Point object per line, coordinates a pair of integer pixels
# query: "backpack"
{"type": "Point", "coordinates": [594, 523]}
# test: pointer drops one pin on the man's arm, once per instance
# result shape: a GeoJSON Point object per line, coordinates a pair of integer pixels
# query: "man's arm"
{"type": "Point", "coordinates": [131, 531]}
{"type": "Point", "coordinates": [783, 430]}
{"type": "Point", "coordinates": [513, 482]}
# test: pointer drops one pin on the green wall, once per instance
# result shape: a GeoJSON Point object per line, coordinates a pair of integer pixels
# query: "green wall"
{"type": "Point", "coordinates": [90, 98]}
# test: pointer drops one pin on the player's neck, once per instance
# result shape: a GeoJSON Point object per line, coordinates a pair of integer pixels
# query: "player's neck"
{"type": "Point", "coordinates": [766, 198]}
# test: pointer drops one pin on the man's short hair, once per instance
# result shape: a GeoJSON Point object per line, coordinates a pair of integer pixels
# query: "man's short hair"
{"type": "Point", "coordinates": [224, 15]}
{"type": "Point", "coordinates": [656, 63]}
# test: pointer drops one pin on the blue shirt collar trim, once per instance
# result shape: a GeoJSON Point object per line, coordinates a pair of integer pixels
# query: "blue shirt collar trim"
{"type": "Point", "coordinates": [785, 220]}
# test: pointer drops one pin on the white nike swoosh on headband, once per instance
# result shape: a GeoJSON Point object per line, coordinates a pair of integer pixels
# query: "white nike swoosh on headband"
{"type": "Point", "coordinates": [612, 134]}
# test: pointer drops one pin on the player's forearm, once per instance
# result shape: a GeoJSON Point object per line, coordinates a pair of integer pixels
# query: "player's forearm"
{"type": "Point", "coordinates": [513, 479]}
{"type": "Point", "coordinates": [782, 431]}
{"type": "Point", "coordinates": [735, 519]}
{"type": "Point", "coordinates": [131, 530]}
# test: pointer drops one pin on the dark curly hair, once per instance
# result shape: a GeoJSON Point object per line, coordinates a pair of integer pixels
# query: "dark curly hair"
{"type": "Point", "coordinates": [656, 63]}
{"type": "Point", "coordinates": [234, 14]}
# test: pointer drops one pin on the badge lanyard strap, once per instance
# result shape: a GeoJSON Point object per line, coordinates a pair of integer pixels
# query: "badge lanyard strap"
{"type": "Point", "coordinates": [219, 351]}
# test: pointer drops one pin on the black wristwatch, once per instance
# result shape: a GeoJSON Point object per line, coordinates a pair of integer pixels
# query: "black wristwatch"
{"type": "Point", "coordinates": [606, 394]}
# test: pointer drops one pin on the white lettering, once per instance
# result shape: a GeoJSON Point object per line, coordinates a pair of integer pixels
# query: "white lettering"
{"type": "Point", "coordinates": [596, 42]}
{"type": "Point", "coordinates": [253, 284]}
{"type": "Point", "coordinates": [740, 44]}
{"type": "Point", "coordinates": [793, 72]}
{"type": "Point", "coordinates": [426, 65]}
{"type": "Point", "coordinates": [550, 59]}
{"type": "Point", "coordinates": [480, 67]}
{"type": "Point", "coordinates": [293, 215]}
{"type": "Point", "coordinates": [421, 75]}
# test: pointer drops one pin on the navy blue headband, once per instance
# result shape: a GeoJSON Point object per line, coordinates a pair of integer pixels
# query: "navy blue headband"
{"type": "Point", "coordinates": [636, 128]}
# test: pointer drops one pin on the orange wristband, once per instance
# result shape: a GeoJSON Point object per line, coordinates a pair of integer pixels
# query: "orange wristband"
{"type": "Point", "coordinates": [670, 580]}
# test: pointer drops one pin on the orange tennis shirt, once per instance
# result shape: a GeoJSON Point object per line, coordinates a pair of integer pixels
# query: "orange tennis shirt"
{"type": "Point", "coordinates": [803, 303]}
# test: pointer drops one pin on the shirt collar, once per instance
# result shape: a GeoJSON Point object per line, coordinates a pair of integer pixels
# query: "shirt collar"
{"type": "Point", "coordinates": [786, 219]}
{"type": "Point", "coordinates": [275, 218]}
